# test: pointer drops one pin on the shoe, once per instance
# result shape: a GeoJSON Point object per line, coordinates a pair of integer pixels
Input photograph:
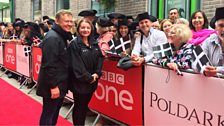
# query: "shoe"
{"type": "Point", "coordinates": [30, 85]}
{"type": "Point", "coordinates": [9, 75]}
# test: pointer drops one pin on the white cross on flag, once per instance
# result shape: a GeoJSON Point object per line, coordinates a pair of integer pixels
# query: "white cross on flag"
{"type": "Point", "coordinates": [13, 37]}
{"type": "Point", "coordinates": [27, 50]}
{"type": "Point", "coordinates": [36, 40]}
{"type": "Point", "coordinates": [111, 45]}
{"type": "Point", "coordinates": [122, 44]}
{"type": "Point", "coordinates": [162, 50]}
{"type": "Point", "coordinates": [200, 59]}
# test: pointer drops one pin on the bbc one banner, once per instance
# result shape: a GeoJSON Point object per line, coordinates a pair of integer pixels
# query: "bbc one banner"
{"type": "Point", "coordinates": [10, 56]}
{"type": "Point", "coordinates": [37, 54]}
{"type": "Point", "coordinates": [119, 94]}
{"type": "Point", "coordinates": [188, 100]}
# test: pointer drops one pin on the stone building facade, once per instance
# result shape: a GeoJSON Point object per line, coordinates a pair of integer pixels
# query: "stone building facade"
{"type": "Point", "coordinates": [24, 8]}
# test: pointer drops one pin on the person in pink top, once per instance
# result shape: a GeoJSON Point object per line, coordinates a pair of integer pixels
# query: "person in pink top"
{"type": "Point", "coordinates": [199, 26]}
{"type": "Point", "coordinates": [103, 29]}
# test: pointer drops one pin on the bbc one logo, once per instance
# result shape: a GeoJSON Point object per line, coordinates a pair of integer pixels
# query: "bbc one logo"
{"type": "Point", "coordinates": [109, 92]}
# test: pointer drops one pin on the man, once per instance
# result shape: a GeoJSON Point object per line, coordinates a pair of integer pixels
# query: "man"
{"type": "Point", "coordinates": [173, 15]}
{"type": "Point", "coordinates": [214, 46]}
{"type": "Point", "coordinates": [52, 80]}
{"type": "Point", "coordinates": [142, 51]}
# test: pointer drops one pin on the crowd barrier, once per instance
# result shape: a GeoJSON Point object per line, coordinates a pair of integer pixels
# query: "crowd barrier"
{"type": "Point", "coordinates": [146, 95]}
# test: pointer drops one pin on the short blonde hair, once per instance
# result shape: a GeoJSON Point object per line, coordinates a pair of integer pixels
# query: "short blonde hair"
{"type": "Point", "coordinates": [62, 12]}
{"type": "Point", "coordinates": [183, 31]}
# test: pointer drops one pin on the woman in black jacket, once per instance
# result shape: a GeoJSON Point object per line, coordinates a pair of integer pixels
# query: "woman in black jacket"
{"type": "Point", "coordinates": [86, 62]}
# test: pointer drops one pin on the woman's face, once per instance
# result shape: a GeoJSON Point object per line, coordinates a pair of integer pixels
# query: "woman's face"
{"type": "Point", "coordinates": [167, 25]}
{"type": "Point", "coordinates": [123, 30]}
{"type": "Point", "coordinates": [145, 25]}
{"type": "Point", "coordinates": [198, 21]}
{"type": "Point", "coordinates": [173, 36]}
{"type": "Point", "coordinates": [85, 29]}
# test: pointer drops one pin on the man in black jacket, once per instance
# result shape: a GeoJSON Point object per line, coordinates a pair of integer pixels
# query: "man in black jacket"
{"type": "Point", "coordinates": [52, 80]}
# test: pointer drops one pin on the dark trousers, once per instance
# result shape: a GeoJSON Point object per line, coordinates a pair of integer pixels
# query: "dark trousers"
{"type": "Point", "coordinates": [81, 102]}
{"type": "Point", "coordinates": [50, 111]}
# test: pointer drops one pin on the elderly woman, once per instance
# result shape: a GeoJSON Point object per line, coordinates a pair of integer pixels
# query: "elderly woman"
{"type": "Point", "coordinates": [102, 28]}
{"type": "Point", "coordinates": [199, 26]}
{"type": "Point", "coordinates": [179, 35]}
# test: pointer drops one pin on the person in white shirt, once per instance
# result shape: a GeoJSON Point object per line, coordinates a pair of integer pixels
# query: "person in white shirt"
{"type": "Point", "coordinates": [142, 51]}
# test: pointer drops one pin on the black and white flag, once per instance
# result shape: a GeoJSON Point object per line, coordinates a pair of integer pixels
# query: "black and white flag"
{"type": "Point", "coordinates": [122, 44]}
{"type": "Point", "coordinates": [27, 50]}
{"type": "Point", "coordinates": [111, 45]}
{"type": "Point", "coordinates": [13, 37]}
{"type": "Point", "coordinates": [162, 50]}
{"type": "Point", "coordinates": [36, 40]}
{"type": "Point", "coordinates": [200, 59]}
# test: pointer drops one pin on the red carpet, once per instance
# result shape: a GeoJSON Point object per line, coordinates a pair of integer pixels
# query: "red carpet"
{"type": "Point", "coordinates": [19, 109]}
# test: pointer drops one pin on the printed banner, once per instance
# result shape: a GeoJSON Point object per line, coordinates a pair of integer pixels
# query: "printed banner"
{"type": "Point", "coordinates": [1, 53]}
{"type": "Point", "coordinates": [188, 100]}
{"type": "Point", "coordinates": [22, 61]}
{"type": "Point", "coordinates": [119, 94]}
{"type": "Point", "coordinates": [10, 56]}
{"type": "Point", "coordinates": [37, 54]}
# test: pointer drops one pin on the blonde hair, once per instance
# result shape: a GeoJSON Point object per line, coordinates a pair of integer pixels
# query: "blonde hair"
{"type": "Point", "coordinates": [183, 31]}
{"type": "Point", "coordinates": [62, 12]}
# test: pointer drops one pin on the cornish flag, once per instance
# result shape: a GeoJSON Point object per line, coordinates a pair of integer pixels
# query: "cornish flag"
{"type": "Point", "coordinates": [162, 50]}
{"type": "Point", "coordinates": [27, 50]}
{"type": "Point", "coordinates": [111, 45]}
{"type": "Point", "coordinates": [36, 40]}
{"type": "Point", "coordinates": [13, 37]}
{"type": "Point", "coordinates": [122, 44]}
{"type": "Point", "coordinates": [200, 59]}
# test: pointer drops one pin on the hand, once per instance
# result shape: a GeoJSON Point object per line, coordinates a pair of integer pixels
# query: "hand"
{"type": "Point", "coordinates": [55, 93]}
{"type": "Point", "coordinates": [172, 66]}
{"type": "Point", "coordinates": [134, 57]}
{"type": "Point", "coordinates": [210, 71]}
{"type": "Point", "coordinates": [95, 77]}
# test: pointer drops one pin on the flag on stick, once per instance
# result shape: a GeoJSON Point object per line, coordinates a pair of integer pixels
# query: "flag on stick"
{"type": "Point", "coordinates": [162, 50]}
{"type": "Point", "coordinates": [200, 59]}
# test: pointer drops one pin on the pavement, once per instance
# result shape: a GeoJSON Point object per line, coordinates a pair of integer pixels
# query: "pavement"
{"type": "Point", "coordinates": [65, 108]}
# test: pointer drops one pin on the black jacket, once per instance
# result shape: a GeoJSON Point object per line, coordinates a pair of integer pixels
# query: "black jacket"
{"type": "Point", "coordinates": [84, 61]}
{"type": "Point", "coordinates": [54, 62]}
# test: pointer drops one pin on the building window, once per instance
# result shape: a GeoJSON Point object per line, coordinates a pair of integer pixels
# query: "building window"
{"type": "Point", "coordinates": [36, 9]}
{"type": "Point", "coordinates": [62, 4]}
{"type": "Point", "coordinates": [101, 11]}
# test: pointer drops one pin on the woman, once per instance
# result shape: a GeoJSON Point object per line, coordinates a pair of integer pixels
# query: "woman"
{"type": "Point", "coordinates": [166, 25]}
{"type": "Point", "coordinates": [103, 29]}
{"type": "Point", "coordinates": [123, 32]}
{"type": "Point", "coordinates": [85, 68]}
{"type": "Point", "coordinates": [179, 35]}
{"type": "Point", "coordinates": [199, 26]}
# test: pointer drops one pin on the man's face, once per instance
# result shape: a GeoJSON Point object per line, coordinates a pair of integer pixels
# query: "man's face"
{"type": "Point", "coordinates": [220, 28]}
{"type": "Point", "coordinates": [173, 15]}
{"type": "Point", "coordinates": [65, 21]}
{"type": "Point", "coordinates": [145, 25]}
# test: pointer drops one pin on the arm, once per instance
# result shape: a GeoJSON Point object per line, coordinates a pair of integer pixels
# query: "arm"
{"type": "Point", "coordinates": [77, 64]}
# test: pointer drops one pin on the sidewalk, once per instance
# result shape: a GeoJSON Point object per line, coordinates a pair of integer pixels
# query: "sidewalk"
{"type": "Point", "coordinates": [64, 109]}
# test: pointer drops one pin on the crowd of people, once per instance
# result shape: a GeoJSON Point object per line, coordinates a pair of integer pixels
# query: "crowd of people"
{"type": "Point", "coordinates": [73, 51]}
